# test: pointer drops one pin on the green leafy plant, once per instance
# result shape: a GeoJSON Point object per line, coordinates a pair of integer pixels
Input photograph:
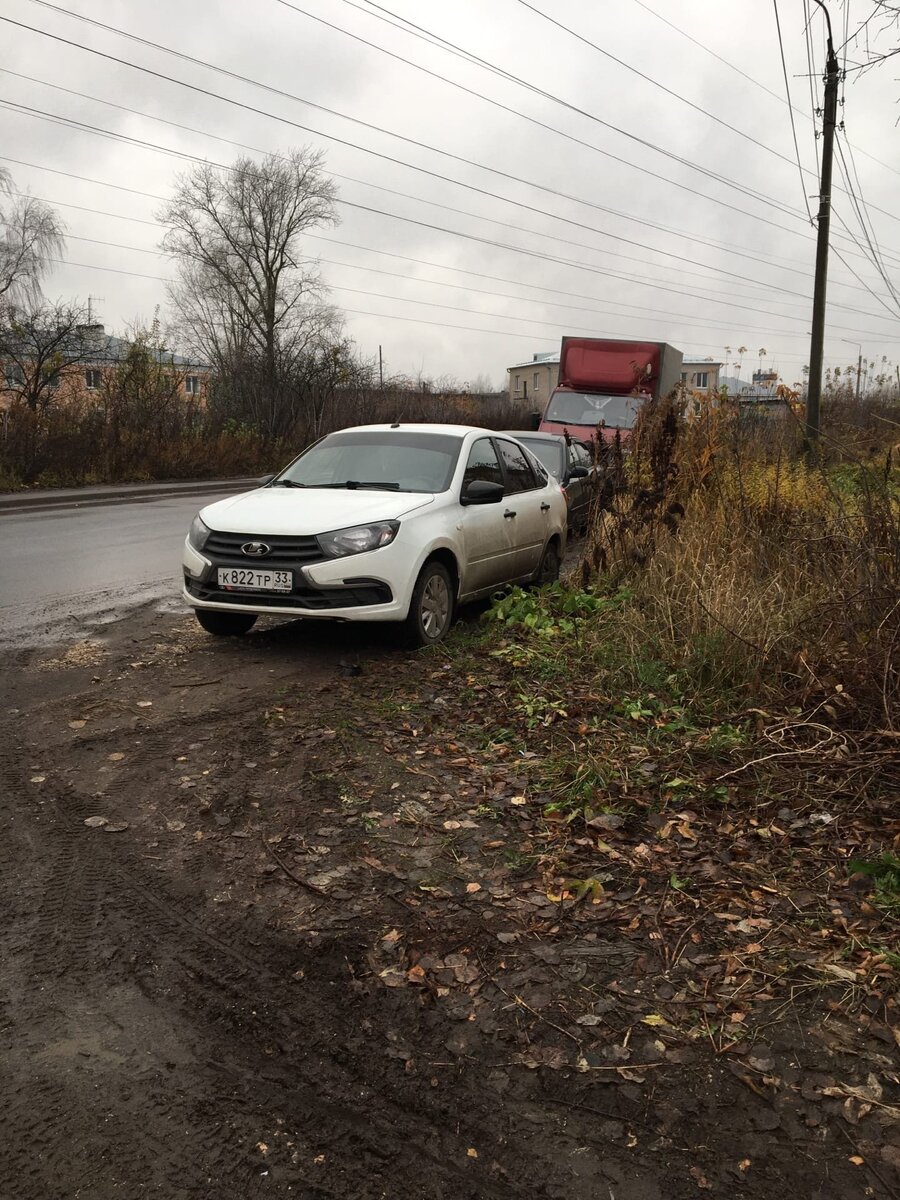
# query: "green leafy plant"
{"type": "Point", "coordinates": [885, 874]}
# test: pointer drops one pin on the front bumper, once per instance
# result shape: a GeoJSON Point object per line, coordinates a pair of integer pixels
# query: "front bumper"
{"type": "Point", "coordinates": [361, 587]}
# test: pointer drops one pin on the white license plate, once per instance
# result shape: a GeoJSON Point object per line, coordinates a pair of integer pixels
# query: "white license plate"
{"type": "Point", "coordinates": [250, 579]}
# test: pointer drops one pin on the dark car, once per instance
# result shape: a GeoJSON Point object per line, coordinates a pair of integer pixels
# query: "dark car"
{"type": "Point", "coordinates": [569, 461]}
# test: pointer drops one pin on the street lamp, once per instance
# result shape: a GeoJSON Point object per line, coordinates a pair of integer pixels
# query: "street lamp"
{"type": "Point", "coordinates": [858, 361]}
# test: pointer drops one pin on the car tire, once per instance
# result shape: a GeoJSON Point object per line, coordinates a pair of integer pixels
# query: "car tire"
{"type": "Point", "coordinates": [431, 607]}
{"type": "Point", "coordinates": [548, 571]}
{"type": "Point", "coordinates": [225, 624]}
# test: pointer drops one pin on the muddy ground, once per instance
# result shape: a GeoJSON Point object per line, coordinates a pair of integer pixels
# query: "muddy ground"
{"type": "Point", "coordinates": [257, 943]}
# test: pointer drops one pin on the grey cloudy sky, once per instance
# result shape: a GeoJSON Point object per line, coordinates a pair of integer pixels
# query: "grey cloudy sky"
{"type": "Point", "coordinates": [716, 262]}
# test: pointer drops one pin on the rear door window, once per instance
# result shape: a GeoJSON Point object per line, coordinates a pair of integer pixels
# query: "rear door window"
{"type": "Point", "coordinates": [520, 476]}
{"type": "Point", "coordinates": [483, 463]}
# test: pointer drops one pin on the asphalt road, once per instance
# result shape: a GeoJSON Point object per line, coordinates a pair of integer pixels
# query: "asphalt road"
{"type": "Point", "coordinates": [73, 567]}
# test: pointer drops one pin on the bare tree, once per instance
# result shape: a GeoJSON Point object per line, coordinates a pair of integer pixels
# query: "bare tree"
{"type": "Point", "coordinates": [872, 35]}
{"type": "Point", "coordinates": [31, 233]}
{"type": "Point", "coordinates": [41, 347]}
{"type": "Point", "coordinates": [245, 296]}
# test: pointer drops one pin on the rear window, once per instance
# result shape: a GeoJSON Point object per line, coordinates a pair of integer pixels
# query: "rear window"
{"type": "Point", "coordinates": [548, 453]}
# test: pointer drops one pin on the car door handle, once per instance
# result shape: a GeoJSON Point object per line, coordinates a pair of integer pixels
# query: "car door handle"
{"type": "Point", "coordinates": [509, 513]}
{"type": "Point", "coordinates": [545, 508]}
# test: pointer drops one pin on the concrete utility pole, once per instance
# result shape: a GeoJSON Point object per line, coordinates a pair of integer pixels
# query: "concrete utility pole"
{"type": "Point", "coordinates": [817, 343]}
{"type": "Point", "coordinates": [380, 370]}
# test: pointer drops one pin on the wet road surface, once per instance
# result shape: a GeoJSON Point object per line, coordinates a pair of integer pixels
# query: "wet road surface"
{"type": "Point", "coordinates": [71, 566]}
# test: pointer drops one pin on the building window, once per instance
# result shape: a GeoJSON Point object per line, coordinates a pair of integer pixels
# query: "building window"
{"type": "Point", "coordinates": [15, 376]}
{"type": "Point", "coordinates": [684, 377]}
{"type": "Point", "coordinates": [701, 379]}
{"type": "Point", "coordinates": [192, 385]}
{"type": "Point", "coordinates": [92, 379]}
{"type": "Point", "coordinates": [535, 382]}
{"type": "Point", "coordinates": [53, 381]}
{"type": "Point", "coordinates": [518, 377]}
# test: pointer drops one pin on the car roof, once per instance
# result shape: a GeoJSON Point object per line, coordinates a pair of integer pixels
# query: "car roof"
{"type": "Point", "coordinates": [416, 427]}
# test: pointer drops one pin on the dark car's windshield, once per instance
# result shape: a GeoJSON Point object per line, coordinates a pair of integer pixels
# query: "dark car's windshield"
{"type": "Point", "coordinates": [587, 408]}
{"type": "Point", "coordinates": [548, 452]}
{"type": "Point", "coordinates": [402, 460]}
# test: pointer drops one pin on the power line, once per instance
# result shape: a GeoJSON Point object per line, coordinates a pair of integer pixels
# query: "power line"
{"type": "Point", "coordinates": [69, 122]}
{"type": "Point", "coordinates": [380, 316]}
{"type": "Point", "coordinates": [649, 79]}
{"type": "Point", "coordinates": [750, 78]}
{"type": "Point", "coordinates": [352, 145]}
{"type": "Point", "coordinates": [685, 320]}
{"type": "Point", "coordinates": [787, 88]}
{"type": "Point", "coordinates": [449, 208]}
{"type": "Point", "coordinates": [524, 116]}
{"type": "Point", "coordinates": [586, 41]}
{"type": "Point", "coordinates": [870, 242]}
{"type": "Point", "coordinates": [750, 193]}
{"type": "Point", "coordinates": [537, 255]}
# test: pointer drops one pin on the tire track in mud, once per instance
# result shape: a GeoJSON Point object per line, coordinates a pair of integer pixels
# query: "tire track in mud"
{"type": "Point", "coordinates": [114, 959]}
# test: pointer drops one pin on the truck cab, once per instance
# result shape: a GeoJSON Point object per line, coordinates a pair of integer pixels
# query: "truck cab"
{"type": "Point", "coordinates": [603, 383]}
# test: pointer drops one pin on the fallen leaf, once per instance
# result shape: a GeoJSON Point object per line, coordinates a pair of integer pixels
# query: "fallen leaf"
{"type": "Point", "coordinates": [472, 888]}
{"type": "Point", "coordinates": [452, 825]}
{"type": "Point", "coordinates": [654, 1019]}
{"type": "Point", "coordinates": [96, 822]}
{"type": "Point", "coordinates": [145, 703]}
{"type": "Point", "coordinates": [174, 826]}
{"type": "Point", "coordinates": [117, 756]}
{"type": "Point", "coordinates": [840, 972]}
{"type": "Point", "coordinates": [701, 1180]}
{"type": "Point", "coordinates": [518, 800]}
{"type": "Point", "coordinates": [77, 724]}
{"type": "Point", "coordinates": [115, 826]}
{"type": "Point", "coordinates": [471, 1152]}
{"type": "Point", "coordinates": [857, 1160]}
{"type": "Point", "coordinates": [38, 778]}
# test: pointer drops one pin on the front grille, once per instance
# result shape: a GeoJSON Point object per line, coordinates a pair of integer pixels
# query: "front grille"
{"type": "Point", "coordinates": [284, 550]}
{"type": "Point", "coordinates": [301, 597]}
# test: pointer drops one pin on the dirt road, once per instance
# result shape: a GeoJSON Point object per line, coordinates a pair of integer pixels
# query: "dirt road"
{"type": "Point", "coordinates": [245, 954]}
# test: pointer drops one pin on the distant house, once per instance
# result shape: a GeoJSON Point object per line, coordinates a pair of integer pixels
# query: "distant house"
{"type": "Point", "coordinates": [535, 378]}
{"type": "Point", "coordinates": [83, 372]}
{"type": "Point", "coordinates": [701, 374]}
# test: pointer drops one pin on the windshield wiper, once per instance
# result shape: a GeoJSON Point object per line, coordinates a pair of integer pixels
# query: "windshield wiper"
{"type": "Point", "coordinates": [287, 483]}
{"type": "Point", "coordinates": [353, 484]}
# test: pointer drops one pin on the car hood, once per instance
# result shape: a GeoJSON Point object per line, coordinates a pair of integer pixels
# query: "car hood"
{"type": "Point", "coordinates": [308, 510]}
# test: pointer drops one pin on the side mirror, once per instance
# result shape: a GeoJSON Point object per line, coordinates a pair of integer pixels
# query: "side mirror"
{"type": "Point", "coordinates": [482, 491]}
{"type": "Point", "coordinates": [579, 472]}
{"type": "Point", "coordinates": [265, 481]}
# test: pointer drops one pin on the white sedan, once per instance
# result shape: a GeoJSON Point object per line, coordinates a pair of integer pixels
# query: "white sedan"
{"type": "Point", "coordinates": [378, 523]}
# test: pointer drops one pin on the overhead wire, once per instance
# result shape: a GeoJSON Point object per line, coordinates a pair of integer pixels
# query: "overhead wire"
{"type": "Point", "coordinates": [683, 319]}
{"type": "Point", "coordinates": [787, 88]}
{"type": "Point", "coordinates": [721, 179]}
{"type": "Point", "coordinates": [574, 264]}
{"type": "Point", "coordinates": [745, 75]}
{"type": "Point", "coordinates": [406, 195]}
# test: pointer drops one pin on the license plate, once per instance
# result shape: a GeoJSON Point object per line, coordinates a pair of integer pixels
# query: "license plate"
{"type": "Point", "coordinates": [249, 579]}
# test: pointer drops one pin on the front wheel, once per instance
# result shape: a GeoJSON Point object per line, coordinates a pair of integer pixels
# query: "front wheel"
{"type": "Point", "coordinates": [431, 607]}
{"type": "Point", "coordinates": [224, 624]}
{"type": "Point", "coordinates": [548, 571]}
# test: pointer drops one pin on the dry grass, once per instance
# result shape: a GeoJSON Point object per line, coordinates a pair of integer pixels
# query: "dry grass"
{"type": "Point", "coordinates": [751, 567]}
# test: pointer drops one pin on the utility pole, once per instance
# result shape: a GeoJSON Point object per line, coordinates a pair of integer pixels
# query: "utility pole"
{"type": "Point", "coordinates": [817, 343]}
{"type": "Point", "coordinates": [380, 371]}
{"type": "Point", "coordinates": [858, 373]}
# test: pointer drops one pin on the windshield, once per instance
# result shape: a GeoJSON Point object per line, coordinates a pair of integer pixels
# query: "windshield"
{"type": "Point", "coordinates": [396, 460]}
{"type": "Point", "coordinates": [587, 408]}
{"type": "Point", "coordinates": [547, 452]}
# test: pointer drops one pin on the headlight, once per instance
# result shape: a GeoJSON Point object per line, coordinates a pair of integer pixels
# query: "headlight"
{"type": "Point", "coordinates": [358, 538]}
{"type": "Point", "coordinates": [198, 534]}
